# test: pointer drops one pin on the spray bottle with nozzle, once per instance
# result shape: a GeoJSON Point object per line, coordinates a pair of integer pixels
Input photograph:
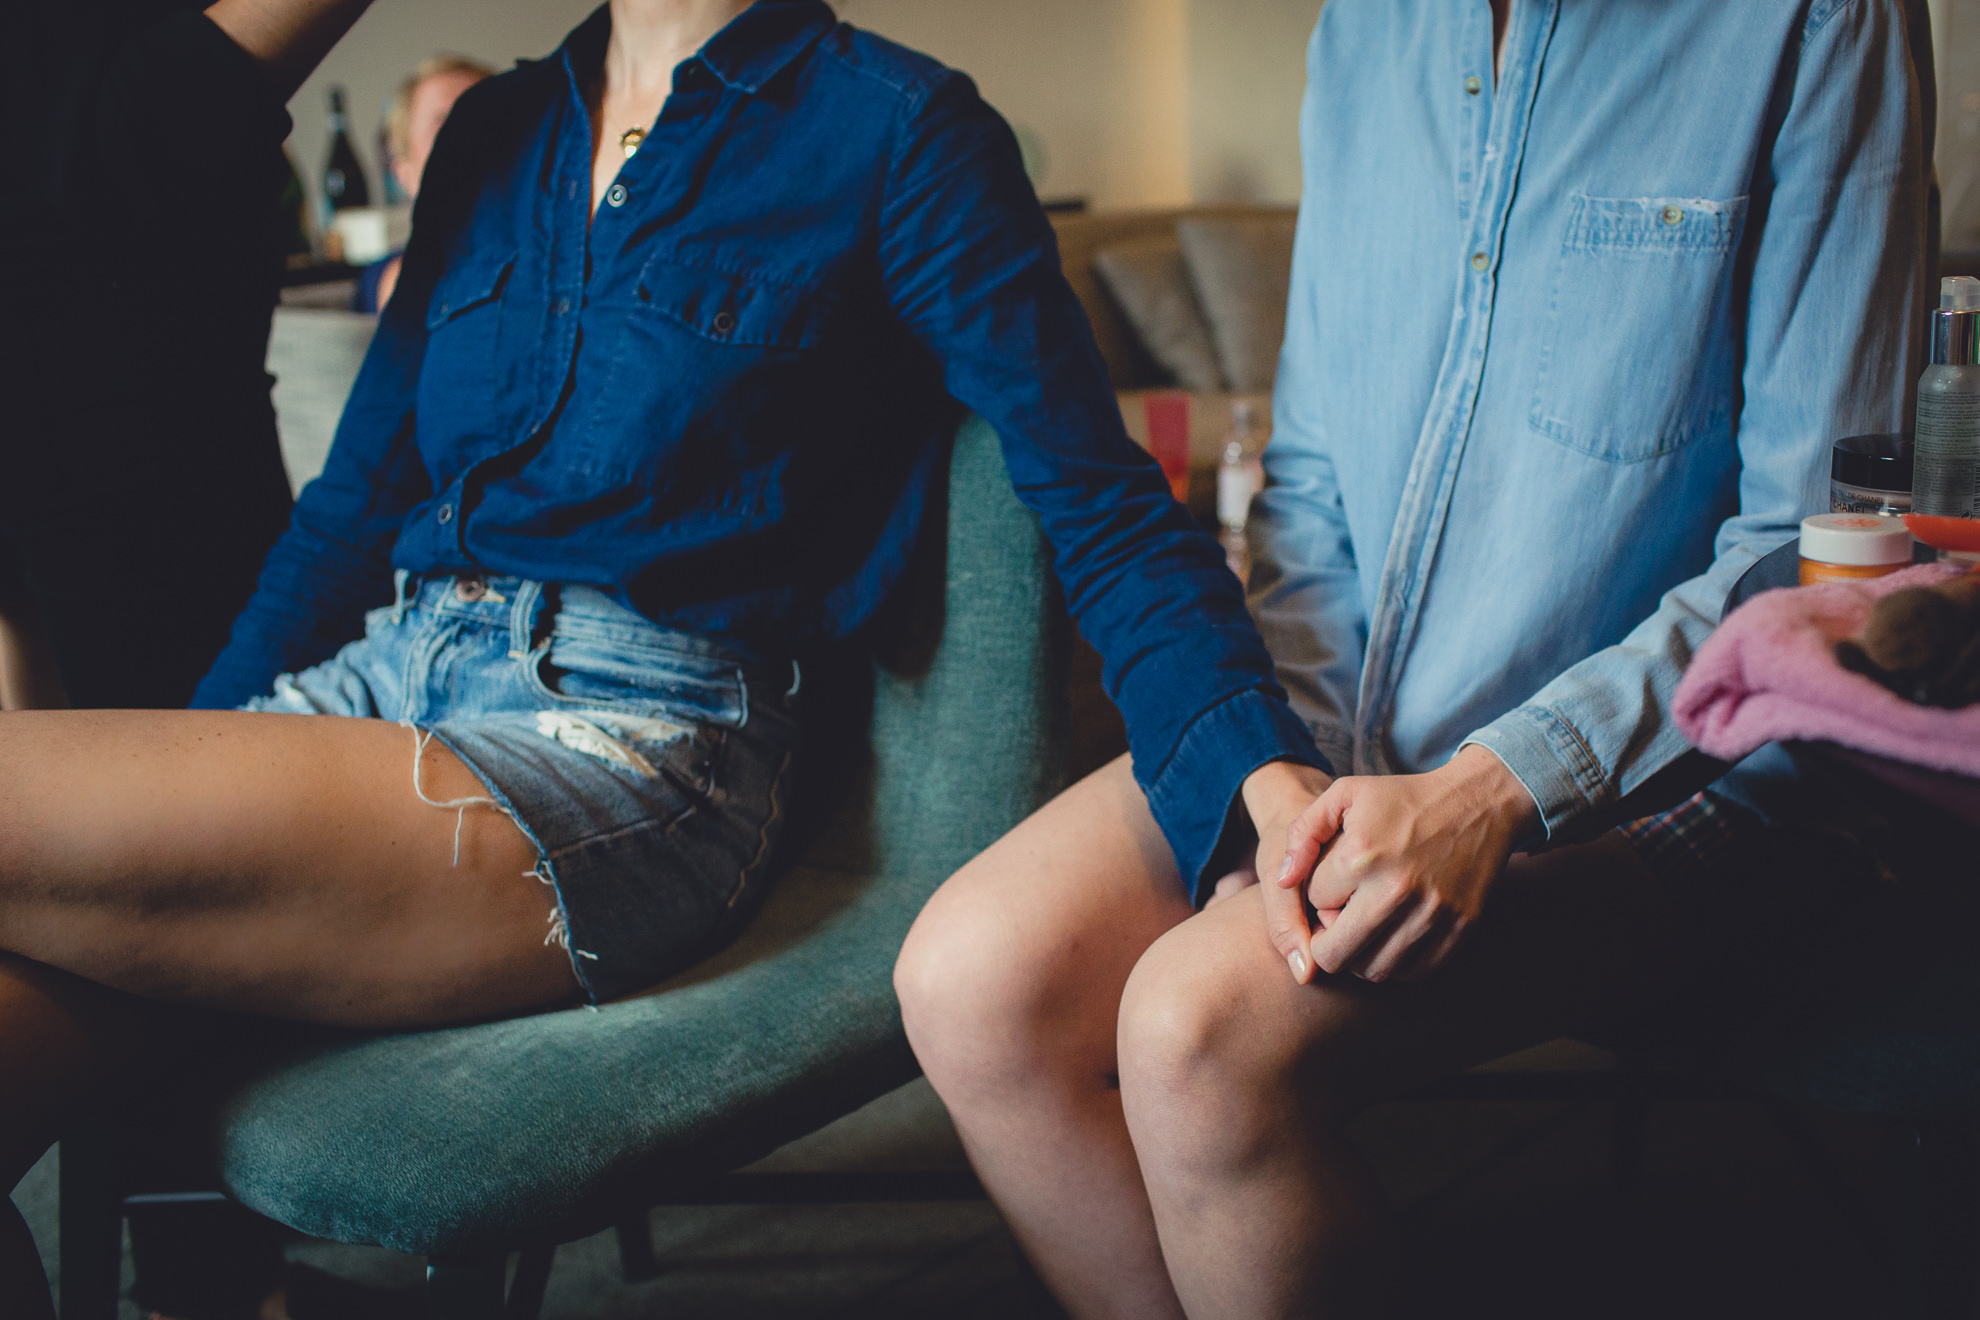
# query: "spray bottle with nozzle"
{"type": "Point", "coordinates": [1945, 474]}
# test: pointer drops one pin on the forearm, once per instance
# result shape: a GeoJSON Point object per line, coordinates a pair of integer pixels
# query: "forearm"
{"type": "Point", "coordinates": [1279, 791]}
{"type": "Point", "coordinates": [288, 38]}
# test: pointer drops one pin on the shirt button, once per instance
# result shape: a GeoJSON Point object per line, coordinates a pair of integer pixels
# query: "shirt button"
{"type": "Point", "coordinates": [724, 322]}
{"type": "Point", "coordinates": [445, 513]}
{"type": "Point", "coordinates": [1479, 261]}
{"type": "Point", "coordinates": [470, 589]}
{"type": "Point", "coordinates": [1673, 214]}
{"type": "Point", "coordinates": [1473, 85]}
{"type": "Point", "coordinates": [563, 307]}
{"type": "Point", "coordinates": [616, 194]}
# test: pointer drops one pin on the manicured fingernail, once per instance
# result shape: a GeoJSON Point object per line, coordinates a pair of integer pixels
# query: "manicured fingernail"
{"type": "Point", "coordinates": [1285, 867]}
{"type": "Point", "coordinates": [1297, 961]}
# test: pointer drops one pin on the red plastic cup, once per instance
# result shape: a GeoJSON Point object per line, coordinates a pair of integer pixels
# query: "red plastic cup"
{"type": "Point", "coordinates": [1167, 412]}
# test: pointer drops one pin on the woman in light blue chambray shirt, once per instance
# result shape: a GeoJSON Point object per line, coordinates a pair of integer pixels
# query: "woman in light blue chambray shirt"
{"type": "Point", "coordinates": [1568, 343]}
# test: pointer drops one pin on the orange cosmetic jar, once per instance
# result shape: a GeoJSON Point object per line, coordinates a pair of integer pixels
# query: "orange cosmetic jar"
{"type": "Point", "coordinates": [1847, 547]}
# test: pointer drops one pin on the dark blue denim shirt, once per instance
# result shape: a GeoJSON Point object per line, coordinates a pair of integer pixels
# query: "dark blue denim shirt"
{"type": "Point", "coordinates": [725, 397]}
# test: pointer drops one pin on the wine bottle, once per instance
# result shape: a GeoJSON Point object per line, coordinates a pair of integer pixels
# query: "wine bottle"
{"type": "Point", "coordinates": [343, 176]}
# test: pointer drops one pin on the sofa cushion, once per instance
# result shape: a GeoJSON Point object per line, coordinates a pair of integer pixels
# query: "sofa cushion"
{"type": "Point", "coordinates": [1149, 281]}
{"type": "Point", "coordinates": [1241, 270]}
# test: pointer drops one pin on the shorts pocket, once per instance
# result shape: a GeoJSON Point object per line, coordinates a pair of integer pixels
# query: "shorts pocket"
{"type": "Point", "coordinates": [615, 674]}
{"type": "Point", "coordinates": [1636, 360]}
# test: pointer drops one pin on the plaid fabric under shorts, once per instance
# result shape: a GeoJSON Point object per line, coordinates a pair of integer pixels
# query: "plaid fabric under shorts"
{"type": "Point", "coordinates": [1686, 841]}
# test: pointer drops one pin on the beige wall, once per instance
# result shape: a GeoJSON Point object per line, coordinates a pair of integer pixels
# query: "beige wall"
{"type": "Point", "coordinates": [1102, 83]}
{"type": "Point", "coordinates": [1956, 48]}
{"type": "Point", "coordinates": [1137, 102]}
{"type": "Point", "coordinates": [1247, 72]}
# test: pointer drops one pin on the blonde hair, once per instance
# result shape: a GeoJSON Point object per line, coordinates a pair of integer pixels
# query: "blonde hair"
{"type": "Point", "coordinates": [398, 121]}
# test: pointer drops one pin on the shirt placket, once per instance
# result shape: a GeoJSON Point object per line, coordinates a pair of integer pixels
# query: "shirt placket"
{"type": "Point", "coordinates": [1426, 497]}
{"type": "Point", "coordinates": [569, 220]}
{"type": "Point", "coordinates": [639, 192]}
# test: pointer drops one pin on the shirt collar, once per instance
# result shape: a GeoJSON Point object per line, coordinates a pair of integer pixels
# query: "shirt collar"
{"type": "Point", "coordinates": [756, 46]}
{"type": "Point", "coordinates": [759, 43]}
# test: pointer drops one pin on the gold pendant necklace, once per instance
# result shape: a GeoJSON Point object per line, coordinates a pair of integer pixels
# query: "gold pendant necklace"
{"type": "Point", "coordinates": [629, 141]}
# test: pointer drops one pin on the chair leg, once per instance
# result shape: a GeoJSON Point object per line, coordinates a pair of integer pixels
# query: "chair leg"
{"type": "Point", "coordinates": [91, 1228]}
{"type": "Point", "coordinates": [1911, 1219]}
{"type": "Point", "coordinates": [636, 1258]}
{"type": "Point", "coordinates": [466, 1287]}
{"type": "Point", "coordinates": [532, 1278]}
{"type": "Point", "coordinates": [1629, 1126]}
{"type": "Point", "coordinates": [1941, 1214]}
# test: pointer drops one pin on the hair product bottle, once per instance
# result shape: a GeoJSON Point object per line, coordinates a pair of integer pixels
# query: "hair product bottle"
{"type": "Point", "coordinates": [1945, 478]}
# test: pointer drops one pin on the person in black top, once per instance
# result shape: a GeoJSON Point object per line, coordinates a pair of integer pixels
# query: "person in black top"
{"type": "Point", "coordinates": [141, 246]}
{"type": "Point", "coordinates": [141, 236]}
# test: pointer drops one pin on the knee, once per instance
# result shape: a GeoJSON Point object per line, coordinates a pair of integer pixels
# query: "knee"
{"type": "Point", "coordinates": [1208, 1037]}
{"type": "Point", "coordinates": [1181, 1033]}
{"type": "Point", "coordinates": [962, 1000]}
{"type": "Point", "coordinates": [987, 1005]}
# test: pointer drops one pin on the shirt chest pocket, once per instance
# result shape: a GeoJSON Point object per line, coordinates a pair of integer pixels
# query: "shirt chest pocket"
{"type": "Point", "coordinates": [726, 308]}
{"type": "Point", "coordinates": [464, 325]}
{"type": "Point", "coordinates": [1637, 357]}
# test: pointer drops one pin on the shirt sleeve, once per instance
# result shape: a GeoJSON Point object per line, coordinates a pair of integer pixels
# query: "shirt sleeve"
{"type": "Point", "coordinates": [971, 267]}
{"type": "Point", "coordinates": [334, 561]}
{"type": "Point", "coordinates": [1305, 589]}
{"type": "Point", "coordinates": [1831, 348]}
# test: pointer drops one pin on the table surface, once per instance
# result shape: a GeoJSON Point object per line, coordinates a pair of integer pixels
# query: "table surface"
{"type": "Point", "coordinates": [1958, 794]}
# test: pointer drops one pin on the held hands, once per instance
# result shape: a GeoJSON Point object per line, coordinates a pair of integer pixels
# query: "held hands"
{"type": "Point", "coordinates": [1396, 866]}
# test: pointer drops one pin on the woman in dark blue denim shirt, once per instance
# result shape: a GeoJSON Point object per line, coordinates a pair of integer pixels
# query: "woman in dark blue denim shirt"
{"type": "Point", "coordinates": [655, 413]}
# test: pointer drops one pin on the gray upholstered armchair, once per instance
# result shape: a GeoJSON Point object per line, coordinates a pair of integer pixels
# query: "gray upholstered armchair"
{"type": "Point", "coordinates": [467, 1144]}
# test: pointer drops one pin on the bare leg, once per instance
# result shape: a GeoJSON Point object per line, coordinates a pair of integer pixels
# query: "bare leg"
{"type": "Point", "coordinates": [57, 1035]}
{"type": "Point", "coordinates": [270, 863]}
{"type": "Point", "coordinates": [1236, 1082]}
{"type": "Point", "coordinates": [1233, 1081]}
{"type": "Point", "coordinates": [1010, 983]}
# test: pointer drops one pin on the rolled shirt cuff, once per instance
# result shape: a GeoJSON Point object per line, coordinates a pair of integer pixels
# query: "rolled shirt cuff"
{"type": "Point", "coordinates": [1568, 784]}
{"type": "Point", "coordinates": [1193, 795]}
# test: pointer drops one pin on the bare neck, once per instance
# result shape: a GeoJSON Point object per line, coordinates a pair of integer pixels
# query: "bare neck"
{"type": "Point", "coordinates": [1501, 15]}
{"type": "Point", "coordinates": [650, 37]}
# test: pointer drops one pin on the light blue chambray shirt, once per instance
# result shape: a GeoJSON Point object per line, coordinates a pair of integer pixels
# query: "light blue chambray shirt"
{"type": "Point", "coordinates": [1565, 355]}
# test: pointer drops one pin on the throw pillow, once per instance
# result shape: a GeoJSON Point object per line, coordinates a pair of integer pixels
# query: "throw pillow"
{"type": "Point", "coordinates": [1241, 270]}
{"type": "Point", "coordinates": [1147, 278]}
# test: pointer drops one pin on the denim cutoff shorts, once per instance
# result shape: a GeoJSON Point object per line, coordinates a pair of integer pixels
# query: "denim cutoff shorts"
{"type": "Point", "coordinates": [648, 766]}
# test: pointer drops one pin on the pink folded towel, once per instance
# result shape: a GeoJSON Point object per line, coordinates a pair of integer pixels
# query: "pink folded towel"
{"type": "Point", "coordinates": [1769, 673]}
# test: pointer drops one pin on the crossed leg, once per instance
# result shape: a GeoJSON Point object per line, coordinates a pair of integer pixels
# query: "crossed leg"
{"type": "Point", "coordinates": [1155, 1106]}
{"type": "Point", "coordinates": [273, 864]}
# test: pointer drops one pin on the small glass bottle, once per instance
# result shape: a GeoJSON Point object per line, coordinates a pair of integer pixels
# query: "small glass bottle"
{"type": "Point", "coordinates": [1946, 480]}
{"type": "Point", "coordinates": [1870, 474]}
{"type": "Point", "coordinates": [1240, 475]}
